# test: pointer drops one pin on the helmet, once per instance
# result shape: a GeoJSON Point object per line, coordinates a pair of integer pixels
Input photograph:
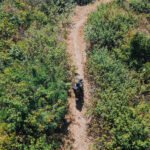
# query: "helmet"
{"type": "Point", "coordinates": [80, 80]}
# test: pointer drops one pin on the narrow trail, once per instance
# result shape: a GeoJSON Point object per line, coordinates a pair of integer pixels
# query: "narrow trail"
{"type": "Point", "coordinates": [76, 47]}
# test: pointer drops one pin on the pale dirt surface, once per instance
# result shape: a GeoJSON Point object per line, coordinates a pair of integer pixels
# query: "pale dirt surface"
{"type": "Point", "coordinates": [76, 47]}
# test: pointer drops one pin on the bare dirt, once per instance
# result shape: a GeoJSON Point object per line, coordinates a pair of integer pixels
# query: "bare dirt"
{"type": "Point", "coordinates": [76, 46]}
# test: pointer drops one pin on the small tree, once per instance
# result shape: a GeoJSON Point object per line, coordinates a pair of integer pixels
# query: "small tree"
{"type": "Point", "coordinates": [140, 49]}
{"type": "Point", "coordinates": [82, 2]}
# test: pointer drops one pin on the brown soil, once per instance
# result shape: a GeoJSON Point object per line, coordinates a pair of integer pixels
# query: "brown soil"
{"type": "Point", "coordinates": [76, 47]}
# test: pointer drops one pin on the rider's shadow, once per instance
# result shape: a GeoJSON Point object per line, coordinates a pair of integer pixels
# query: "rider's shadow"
{"type": "Point", "coordinates": [80, 103]}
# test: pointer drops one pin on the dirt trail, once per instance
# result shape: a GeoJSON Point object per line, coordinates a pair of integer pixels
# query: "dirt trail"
{"type": "Point", "coordinates": [76, 50]}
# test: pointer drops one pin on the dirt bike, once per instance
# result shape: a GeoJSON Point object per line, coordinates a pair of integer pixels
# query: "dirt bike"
{"type": "Point", "coordinates": [78, 90]}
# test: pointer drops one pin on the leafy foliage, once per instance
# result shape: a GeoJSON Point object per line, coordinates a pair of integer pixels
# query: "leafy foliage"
{"type": "Point", "coordinates": [140, 49]}
{"type": "Point", "coordinates": [108, 31]}
{"type": "Point", "coordinates": [141, 6]}
{"type": "Point", "coordinates": [120, 109]}
{"type": "Point", "coordinates": [33, 74]}
{"type": "Point", "coordinates": [82, 2]}
{"type": "Point", "coordinates": [115, 88]}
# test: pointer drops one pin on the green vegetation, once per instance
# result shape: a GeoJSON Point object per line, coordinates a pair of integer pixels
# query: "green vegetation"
{"type": "Point", "coordinates": [108, 31]}
{"type": "Point", "coordinates": [140, 49]}
{"type": "Point", "coordinates": [119, 65]}
{"type": "Point", "coordinates": [141, 6]}
{"type": "Point", "coordinates": [33, 74]}
{"type": "Point", "coordinates": [83, 2]}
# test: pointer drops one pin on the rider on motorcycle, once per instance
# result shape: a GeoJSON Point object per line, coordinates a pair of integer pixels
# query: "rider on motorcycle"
{"type": "Point", "coordinates": [78, 89]}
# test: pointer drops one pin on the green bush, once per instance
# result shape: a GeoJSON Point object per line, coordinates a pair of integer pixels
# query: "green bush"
{"type": "Point", "coordinates": [140, 49]}
{"type": "Point", "coordinates": [146, 72]}
{"type": "Point", "coordinates": [141, 6]}
{"type": "Point", "coordinates": [120, 110]}
{"type": "Point", "coordinates": [115, 88]}
{"type": "Point", "coordinates": [108, 31]}
{"type": "Point", "coordinates": [33, 74]}
{"type": "Point", "coordinates": [83, 2]}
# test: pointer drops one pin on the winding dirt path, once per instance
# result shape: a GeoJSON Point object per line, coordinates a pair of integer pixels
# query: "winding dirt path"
{"type": "Point", "coordinates": [76, 50]}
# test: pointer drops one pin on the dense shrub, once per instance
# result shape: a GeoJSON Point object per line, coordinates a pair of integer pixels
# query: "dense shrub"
{"type": "Point", "coordinates": [141, 6]}
{"type": "Point", "coordinates": [146, 72]}
{"type": "Point", "coordinates": [108, 31]}
{"type": "Point", "coordinates": [140, 49]}
{"type": "Point", "coordinates": [33, 74]}
{"type": "Point", "coordinates": [115, 88]}
{"type": "Point", "coordinates": [83, 2]}
{"type": "Point", "coordinates": [120, 109]}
